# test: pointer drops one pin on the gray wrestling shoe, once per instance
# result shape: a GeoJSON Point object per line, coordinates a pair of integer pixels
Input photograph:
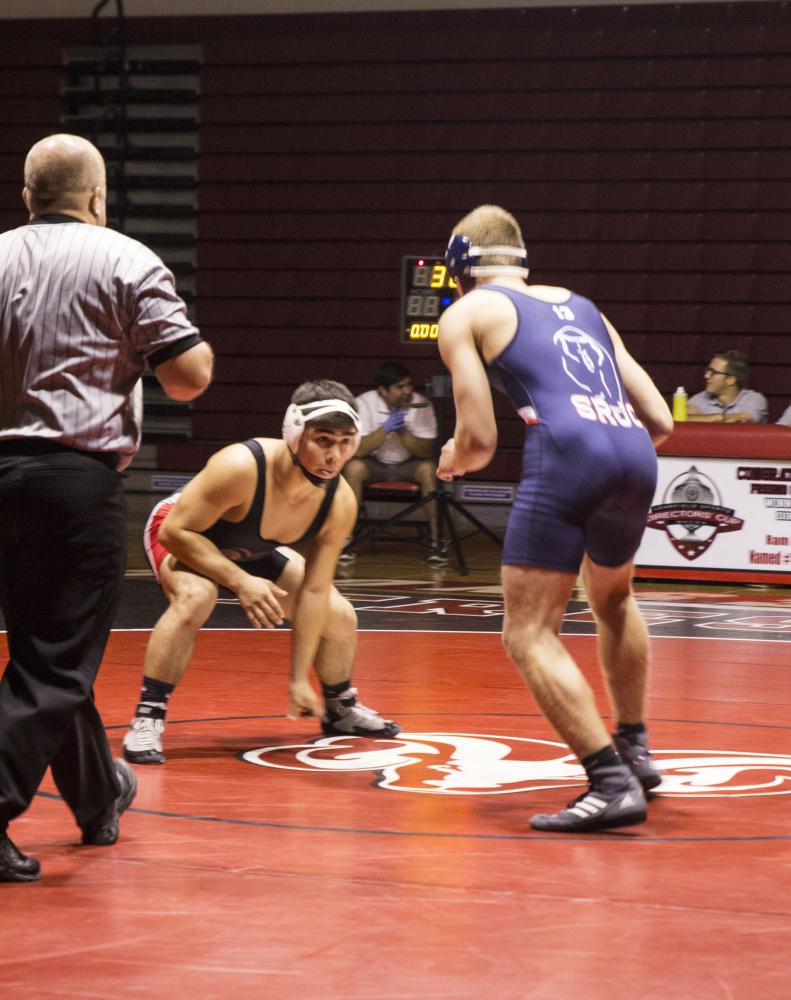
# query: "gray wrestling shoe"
{"type": "Point", "coordinates": [143, 739]}
{"type": "Point", "coordinates": [346, 716]}
{"type": "Point", "coordinates": [633, 751]}
{"type": "Point", "coordinates": [600, 808]}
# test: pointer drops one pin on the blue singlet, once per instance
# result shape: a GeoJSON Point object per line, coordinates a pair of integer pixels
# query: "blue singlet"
{"type": "Point", "coordinates": [589, 467]}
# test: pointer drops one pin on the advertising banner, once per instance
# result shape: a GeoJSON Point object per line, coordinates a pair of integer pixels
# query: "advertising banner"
{"type": "Point", "coordinates": [720, 514]}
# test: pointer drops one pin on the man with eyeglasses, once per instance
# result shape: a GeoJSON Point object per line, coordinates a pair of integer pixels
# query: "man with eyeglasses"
{"type": "Point", "coordinates": [725, 399]}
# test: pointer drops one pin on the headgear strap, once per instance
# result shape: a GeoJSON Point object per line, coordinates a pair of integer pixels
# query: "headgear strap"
{"type": "Point", "coordinates": [299, 414]}
{"type": "Point", "coordinates": [462, 258]}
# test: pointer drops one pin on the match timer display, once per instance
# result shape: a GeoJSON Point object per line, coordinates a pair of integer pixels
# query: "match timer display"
{"type": "Point", "coordinates": [427, 289]}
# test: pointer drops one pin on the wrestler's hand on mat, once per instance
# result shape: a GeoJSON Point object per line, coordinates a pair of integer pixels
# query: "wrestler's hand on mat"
{"type": "Point", "coordinates": [303, 700]}
{"type": "Point", "coordinates": [259, 598]}
{"type": "Point", "coordinates": [447, 462]}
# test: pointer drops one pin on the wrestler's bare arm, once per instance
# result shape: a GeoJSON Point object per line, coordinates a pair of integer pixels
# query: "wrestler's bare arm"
{"type": "Point", "coordinates": [644, 396]}
{"type": "Point", "coordinates": [475, 437]}
{"type": "Point", "coordinates": [225, 485]}
{"type": "Point", "coordinates": [312, 598]}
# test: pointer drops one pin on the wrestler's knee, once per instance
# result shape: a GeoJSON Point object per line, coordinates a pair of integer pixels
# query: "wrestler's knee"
{"type": "Point", "coordinates": [610, 603]}
{"type": "Point", "coordinates": [341, 619]}
{"type": "Point", "coordinates": [520, 641]}
{"type": "Point", "coordinates": [608, 590]}
{"type": "Point", "coordinates": [193, 601]}
{"type": "Point", "coordinates": [510, 644]}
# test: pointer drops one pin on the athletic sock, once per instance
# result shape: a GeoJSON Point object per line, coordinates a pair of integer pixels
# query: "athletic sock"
{"type": "Point", "coordinates": [629, 730]}
{"type": "Point", "coordinates": [335, 690]}
{"type": "Point", "coordinates": [154, 694]}
{"type": "Point", "coordinates": [607, 757]}
{"type": "Point", "coordinates": [605, 769]}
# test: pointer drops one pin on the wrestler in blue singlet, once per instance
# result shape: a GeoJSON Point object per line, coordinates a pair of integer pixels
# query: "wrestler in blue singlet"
{"type": "Point", "coordinates": [589, 466]}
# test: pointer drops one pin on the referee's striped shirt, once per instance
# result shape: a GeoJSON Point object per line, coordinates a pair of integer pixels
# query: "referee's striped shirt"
{"type": "Point", "coordinates": [82, 309]}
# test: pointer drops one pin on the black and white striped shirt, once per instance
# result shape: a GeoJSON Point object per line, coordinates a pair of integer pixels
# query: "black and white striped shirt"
{"type": "Point", "coordinates": [82, 309]}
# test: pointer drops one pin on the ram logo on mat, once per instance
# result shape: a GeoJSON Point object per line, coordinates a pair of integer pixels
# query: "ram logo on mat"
{"type": "Point", "coordinates": [473, 764]}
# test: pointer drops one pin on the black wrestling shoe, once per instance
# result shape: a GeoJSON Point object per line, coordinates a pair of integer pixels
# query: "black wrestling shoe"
{"type": "Point", "coordinates": [600, 808]}
{"type": "Point", "coordinates": [14, 865]}
{"type": "Point", "coordinates": [102, 831]}
{"type": "Point", "coordinates": [633, 751]}
{"type": "Point", "coordinates": [346, 716]}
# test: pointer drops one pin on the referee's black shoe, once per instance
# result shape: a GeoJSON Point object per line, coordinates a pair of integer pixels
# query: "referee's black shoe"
{"type": "Point", "coordinates": [14, 865]}
{"type": "Point", "coordinates": [102, 830]}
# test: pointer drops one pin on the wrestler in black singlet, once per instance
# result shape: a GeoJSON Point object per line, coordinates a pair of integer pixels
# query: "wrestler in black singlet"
{"type": "Point", "coordinates": [241, 541]}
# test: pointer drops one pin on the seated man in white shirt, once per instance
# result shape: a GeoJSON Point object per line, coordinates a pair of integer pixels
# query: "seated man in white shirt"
{"type": "Point", "coordinates": [398, 428]}
{"type": "Point", "coordinates": [785, 420]}
{"type": "Point", "coordinates": [725, 399]}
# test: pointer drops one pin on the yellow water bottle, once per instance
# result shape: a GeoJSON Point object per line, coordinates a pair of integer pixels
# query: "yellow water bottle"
{"type": "Point", "coordinates": [680, 404]}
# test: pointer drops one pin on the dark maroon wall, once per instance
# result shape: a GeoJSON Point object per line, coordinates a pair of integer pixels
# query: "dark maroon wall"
{"type": "Point", "coordinates": [645, 150]}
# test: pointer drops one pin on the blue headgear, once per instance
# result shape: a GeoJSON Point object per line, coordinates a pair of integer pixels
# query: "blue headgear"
{"type": "Point", "coordinates": [463, 259]}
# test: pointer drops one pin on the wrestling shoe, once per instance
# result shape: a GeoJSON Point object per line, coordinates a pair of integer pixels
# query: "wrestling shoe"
{"type": "Point", "coordinates": [437, 554]}
{"type": "Point", "coordinates": [346, 716]}
{"type": "Point", "coordinates": [599, 808]}
{"type": "Point", "coordinates": [102, 831]}
{"type": "Point", "coordinates": [348, 555]}
{"type": "Point", "coordinates": [143, 739]}
{"type": "Point", "coordinates": [633, 751]}
{"type": "Point", "coordinates": [14, 865]}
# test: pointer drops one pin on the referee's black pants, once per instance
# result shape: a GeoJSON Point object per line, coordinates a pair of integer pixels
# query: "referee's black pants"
{"type": "Point", "coordinates": [62, 558]}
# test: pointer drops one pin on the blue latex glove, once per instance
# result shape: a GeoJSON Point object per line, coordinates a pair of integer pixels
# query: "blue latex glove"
{"type": "Point", "coordinates": [395, 421]}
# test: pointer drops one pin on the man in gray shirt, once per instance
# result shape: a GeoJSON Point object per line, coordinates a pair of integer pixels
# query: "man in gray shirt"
{"type": "Point", "coordinates": [83, 309]}
{"type": "Point", "coordinates": [726, 400]}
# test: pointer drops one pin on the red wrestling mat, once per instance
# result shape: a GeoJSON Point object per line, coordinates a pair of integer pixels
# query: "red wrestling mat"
{"type": "Point", "coordinates": [405, 868]}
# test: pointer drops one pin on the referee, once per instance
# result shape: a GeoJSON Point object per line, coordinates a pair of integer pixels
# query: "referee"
{"type": "Point", "coordinates": [82, 310]}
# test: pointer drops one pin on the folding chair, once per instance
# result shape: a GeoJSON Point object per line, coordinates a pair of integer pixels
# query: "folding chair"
{"type": "Point", "coordinates": [370, 528]}
{"type": "Point", "coordinates": [445, 504]}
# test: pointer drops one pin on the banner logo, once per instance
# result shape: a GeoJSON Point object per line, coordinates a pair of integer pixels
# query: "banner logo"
{"type": "Point", "coordinates": [691, 513]}
{"type": "Point", "coordinates": [477, 764]}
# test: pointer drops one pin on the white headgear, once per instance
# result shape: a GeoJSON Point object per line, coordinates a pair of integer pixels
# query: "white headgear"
{"type": "Point", "coordinates": [299, 414]}
{"type": "Point", "coordinates": [479, 270]}
{"type": "Point", "coordinates": [463, 258]}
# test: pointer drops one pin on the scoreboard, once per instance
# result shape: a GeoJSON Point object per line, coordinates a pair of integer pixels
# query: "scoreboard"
{"type": "Point", "coordinates": [427, 289]}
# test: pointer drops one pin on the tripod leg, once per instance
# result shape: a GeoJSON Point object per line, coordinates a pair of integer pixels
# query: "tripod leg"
{"type": "Point", "coordinates": [446, 521]}
{"type": "Point", "coordinates": [372, 530]}
{"type": "Point", "coordinates": [452, 502]}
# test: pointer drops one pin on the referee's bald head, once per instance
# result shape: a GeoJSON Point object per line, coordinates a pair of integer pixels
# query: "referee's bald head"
{"type": "Point", "coordinates": [66, 173]}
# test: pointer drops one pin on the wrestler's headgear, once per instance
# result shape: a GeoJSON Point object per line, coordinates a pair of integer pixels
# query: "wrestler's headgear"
{"type": "Point", "coordinates": [299, 414]}
{"type": "Point", "coordinates": [464, 260]}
